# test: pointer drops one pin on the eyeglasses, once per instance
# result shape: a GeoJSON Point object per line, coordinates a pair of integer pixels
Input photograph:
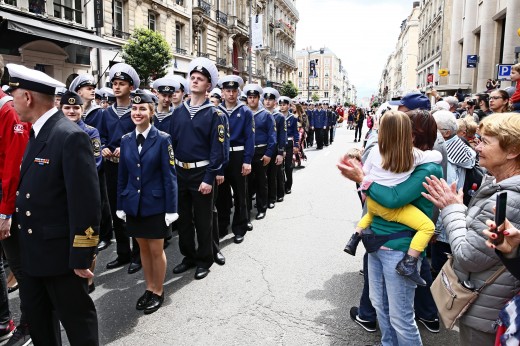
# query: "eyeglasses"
{"type": "Point", "coordinates": [495, 97]}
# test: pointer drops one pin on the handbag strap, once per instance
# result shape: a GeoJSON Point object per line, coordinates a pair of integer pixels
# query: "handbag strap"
{"type": "Point", "coordinates": [493, 277]}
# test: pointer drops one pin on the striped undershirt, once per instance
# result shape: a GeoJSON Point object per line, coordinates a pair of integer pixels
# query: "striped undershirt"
{"type": "Point", "coordinates": [120, 111]}
{"type": "Point", "coordinates": [193, 110]}
{"type": "Point", "coordinates": [161, 115]}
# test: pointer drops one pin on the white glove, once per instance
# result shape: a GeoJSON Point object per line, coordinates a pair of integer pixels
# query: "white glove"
{"type": "Point", "coordinates": [121, 214]}
{"type": "Point", "coordinates": [169, 218]}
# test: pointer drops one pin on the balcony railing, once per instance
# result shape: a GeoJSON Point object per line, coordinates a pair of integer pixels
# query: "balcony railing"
{"type": "Point", "coordinates": [221, 17]}
{"type": "Point", "coordinates": [205, 7]}
{"type": "Point", "coordinates": [181, 51]}
{"type": "Point", "coordinates": [221, 61]}
{"type": "Point", "coordinates": [204, 55]}
{"type": "Point", "coordinates": [120, 34]}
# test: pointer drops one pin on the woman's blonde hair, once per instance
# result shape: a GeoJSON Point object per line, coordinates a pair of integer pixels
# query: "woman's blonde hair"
{"type": "Point", "coordinates": [506, 128]}
{"type": "Point", "coordinates": [395, 142]}
{"type": "Point", "coordinates": [516, 67]}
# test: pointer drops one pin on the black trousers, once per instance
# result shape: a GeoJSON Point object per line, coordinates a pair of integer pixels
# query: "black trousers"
{"type": "Point", "coordinates": [215, 224]}
{"type": "Point", "coordinates": [65, 297]}
{"type": "Point", "coordinates": [331, 134]}
{"type": "Point", "coordinates": [271, 181]}
{"type": "Point", "coordinates": [224, 203]}
{"type": "Point", "coordinates": [325, 134]}
{"type": "Point", "coordinates": [195, 218]}
{"type": "Point", "coordinates": [310, 138]}
{"type": "Point", "coordinates": [238, 182]}
{"type": "Point", "coordinates": [123, 242]}
{"type": "Point", "coordinates": [105, 227]}
{"type": "Point", "coordinates": [357, 132]}
{"type": "Point", "coordinates": [259, 183]}
{"type": "Point", "coordinates": [318, 132]}
{"type": "Point", "coordinates": [288, 165]}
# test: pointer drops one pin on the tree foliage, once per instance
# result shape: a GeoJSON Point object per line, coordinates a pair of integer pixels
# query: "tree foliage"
{"type": "Point", "coordinates": [289, 89]}
{"type": "Point", "coordinates": [148, 53]}
{"type": "Point", "coordinates": [315, 97]}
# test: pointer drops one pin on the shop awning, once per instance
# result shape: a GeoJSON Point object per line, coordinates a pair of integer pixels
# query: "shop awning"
{"type": "Point", "coordinates": [56, 32]}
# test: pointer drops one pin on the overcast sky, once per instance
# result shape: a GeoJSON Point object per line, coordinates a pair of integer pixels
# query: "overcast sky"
{"type": "Point", "coordinates": [362, 33]}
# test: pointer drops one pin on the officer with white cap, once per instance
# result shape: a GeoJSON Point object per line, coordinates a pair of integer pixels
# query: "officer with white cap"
{"type": "Point", "coordinates": [116, 123]}
{"type": "Point", "coordinates": [198, 135]}
{"type": "Point", "coordinates": [58, 191]}
{"type": "Point", "coordinates": [242, 149]}
{"type": "Point", "coordinates": [165, 88]}
{"type": "Point", "coordinates": [265, 148]}
{"type": "Point", "coordinates": [275, 173]}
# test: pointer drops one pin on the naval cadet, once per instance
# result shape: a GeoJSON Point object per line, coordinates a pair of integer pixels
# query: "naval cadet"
{"type": "Point", "coordinates": [165, 88]}
{"type": "Point", "coordinates": [85, 86]}
{"type": "Point", "coordinates": [198, 136]}
{"type": "Point", "coordinates": [58, 219]}
{"type": "Point", "coordinates": [326, 110]}
{"type": "Point", "coordinates": [147, 196]}
{"type": "Point", "coordinates": [265, 148]}
{"type": "Point", "coordinates": [241, 151]}
{"type": "Point", "coordinates": [215, 96]}
{"type": "Point", "coordinates": [181, 92]}
{"type": "Point", "coordinates": [319, 124]}
{"type": "Point", "coordinates": [310, 132]}
{"type": "Point", "coordinates": [275, 176]}
{"type": "Point", "coordinates": [71, 106]}
{"type": "Point", "coordinates": [116, 123]}
{"type": "Point", "coordinates": [293, 138]}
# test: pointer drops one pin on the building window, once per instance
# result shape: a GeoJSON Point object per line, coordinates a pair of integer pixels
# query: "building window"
{"type": "Point", "coordinates": [179, 2]}
{"type": "Point", "coordinates": [37, 6]}
{"type": "Point", "coordinates": [326, 94]}
{"type": "Point", "coordinates": [11, 2]}
{"type": "Point", "coordinates": [152, 21]}
{"type": "Point", "coordinates": [118, 18]}
{"type": "Point", "coordinates": [68, 10]}
{"type": "Point", "coordinates": [219, 47]}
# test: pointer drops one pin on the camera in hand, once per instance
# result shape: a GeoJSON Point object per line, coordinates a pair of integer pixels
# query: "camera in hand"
{"type": "Point", "coordinates": [500, 216]}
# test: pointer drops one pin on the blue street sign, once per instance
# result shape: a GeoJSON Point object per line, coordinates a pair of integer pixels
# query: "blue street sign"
{"type": "Point", "coordinates": [472, 61]}
{"type": "Point", "coordinates": [504, 72]}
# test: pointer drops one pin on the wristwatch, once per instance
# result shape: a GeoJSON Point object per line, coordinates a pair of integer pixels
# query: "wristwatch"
{"type": "Point", "coordinates": [5, 217]}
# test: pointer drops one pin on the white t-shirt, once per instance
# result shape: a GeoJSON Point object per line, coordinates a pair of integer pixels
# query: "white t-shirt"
{"type": "Point", "coordinates": [375, 173]}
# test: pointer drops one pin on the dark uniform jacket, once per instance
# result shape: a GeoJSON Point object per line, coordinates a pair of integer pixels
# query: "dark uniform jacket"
{"type": "Point", "coordinates": [147, 183]}
{"type": "Point", "coordinates": [58, 201]}
{"type": "Point", "coordinates": [281, 132]}
{"type": "Point", "coordinates": [241, 129]}
{"type": "Point", "coordinates": [265, 131]}
{"type": "Point", "coordinates": [292, 129]}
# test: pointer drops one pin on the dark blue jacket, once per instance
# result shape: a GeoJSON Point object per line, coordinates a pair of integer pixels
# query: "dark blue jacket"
{"type": "Point", "coordinates": [163, 125]}
{"type": "Point", "coordinates": [281, 132]}
{"type": "Point", "coordinates": [93, 133]}
{"type": "Point", "coordinates": [292, 129]}
{"type": "Point", "coordinates": [265, 131]}
{"type": "Point", "coordinates": [201, 138]}
{"type": "Point", "coordinates": [94, 116]}
{"type": "Point", "coordinates": [114, 127]}
{"type": "Point", "coordinates": [310, 115]}
{"type": "Point", "coordinates": [147, 183]}
{"type": "Point", "coordinates": [319, 119]}
{"type": "Point", "coordinates": [241, 129]}
{"type": "Point", "coordinates": [332, 118]}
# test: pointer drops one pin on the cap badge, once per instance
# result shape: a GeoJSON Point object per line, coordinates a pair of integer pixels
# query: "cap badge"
{"type": "Point", "coordinates": [268, 95]}
{"type": "Point", "coordinates": [137, 99]}
{"type": "Point", "coordinates": [231, 83]}
{"type": "Point", "coordinates": [166, 88]}
{"type": "Point", "coordinates": [118, 74]}
{"type": "Point", "coordinates": [72, 101]}
{"type": "Point", "coordinates": [199, 68]}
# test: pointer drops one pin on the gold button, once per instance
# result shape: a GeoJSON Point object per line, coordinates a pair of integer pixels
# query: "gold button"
{"type": "Point", "coordinates": [138, 165]}
{"type": "Point", "coordinates": [17, 193]}
{"type": "Point", "coordinates": [137, 178]}
{"type": "Point", "coordinates": [138, 191]}
{"type": "Point", "coordinates": [29, 231]}
{"type": "Point", "coordinates": [28, 213]}
{"type": "Point", "coordinates": [28, 196]}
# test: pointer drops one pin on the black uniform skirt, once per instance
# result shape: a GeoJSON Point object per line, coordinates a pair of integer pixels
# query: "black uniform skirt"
{"type": "Point", "coordinates": [149, 227]}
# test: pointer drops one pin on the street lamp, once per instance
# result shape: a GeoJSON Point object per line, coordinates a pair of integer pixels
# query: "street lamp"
{"type": "Point", "coordinates": [309, 52]}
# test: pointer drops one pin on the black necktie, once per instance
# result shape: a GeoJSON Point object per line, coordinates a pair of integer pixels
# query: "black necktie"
{"type": "Point", "coordinates": [31, 133]}
{"type": "Point", "coordinates": [140, 139]}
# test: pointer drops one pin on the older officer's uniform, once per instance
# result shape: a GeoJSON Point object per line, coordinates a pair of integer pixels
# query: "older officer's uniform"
{"type": "Point", "coordinates": [265, 144]}
{"type": "Point", "coordinates": [275, 177]}
{"type": "Point", "coordinates": [293, 138]}
{"type": "Point", "coordinates": [58, 214]}
{"type": "Point", "coordinates": [116, 123]}
{"type": "Point", "coordinates": [198, 137]}
{"type": "Point", "coordinates": [241, 151]}
{"type": "Point", "coordinates": [166, 86]}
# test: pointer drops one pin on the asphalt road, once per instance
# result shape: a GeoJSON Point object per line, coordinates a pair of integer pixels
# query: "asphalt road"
{"type": "Point", "coordinates": [288, 283]}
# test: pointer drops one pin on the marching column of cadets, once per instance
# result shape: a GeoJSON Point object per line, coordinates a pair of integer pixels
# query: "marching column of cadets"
{"type": "Point", "coordinates": [235, 151]}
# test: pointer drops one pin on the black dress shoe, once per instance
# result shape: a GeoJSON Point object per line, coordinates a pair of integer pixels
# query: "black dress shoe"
{"type": "Point", "coordinates": [154, 303]}
{"type": "Point", "coordinates": [117, 263]}
{"type": "Point", "coordinates": [181, 268]}
{"type": "Point", "coordinates": [201, 273]}
{"type": "Point", "coordinates": [279, 199]}
{"type": "Point", "coordinates": [142, 302]}
{"type": "Point", "coordinates": [238, 239]}
{"type": "Point", "coordinates": [91, 287]}
{"type": "Point", "coordinates": [103, 245]}
{"type": "Point", "coordinates": [260, 216]}
{"type": "Point", "coordinates": [287, 191]}
{"type": "Point", "coordinates": [270, 206]}
{"type": "Point", "coordinates": [220, 259]}
{"type": "Point", "coordinates": [134, 267]}
{"type": "Point", "coordinates": [249, 226]}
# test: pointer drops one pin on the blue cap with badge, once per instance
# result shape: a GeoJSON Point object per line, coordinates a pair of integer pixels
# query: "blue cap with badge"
{"type": "Point", "coordinates": [141, 96]}
{"type": "Point", "coordinates": [71, 98]}
{"type": "Point", "coordinates": [122, 71]}
{"type": "Point", "coordinates": [414, 100]}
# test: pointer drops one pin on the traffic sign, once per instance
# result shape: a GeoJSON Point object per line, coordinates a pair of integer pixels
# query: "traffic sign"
{"type": "Point", "coordinates": [504, 72]}
{"type": "Point", "coordinates": [472, 61]}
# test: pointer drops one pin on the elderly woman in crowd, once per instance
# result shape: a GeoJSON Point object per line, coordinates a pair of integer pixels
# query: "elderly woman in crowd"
{"type": "Point", "coordinates": [391, 294]}
{"type": "Point", "coordinates": [499, 101]}
{"type": "Point", "coordinates": [460, 158]}
{"type": "Point", "coordinates": [499, 153]}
